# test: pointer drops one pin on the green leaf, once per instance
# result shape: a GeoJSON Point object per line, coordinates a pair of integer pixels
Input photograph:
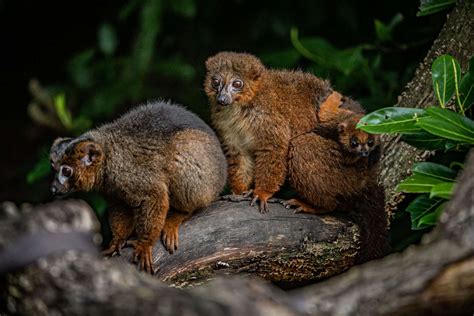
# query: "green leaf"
{"type": "Point", "coordinates": [434, 170]}
{"type": "Point", "coordinates": [451, 145]}
{"type": "Point", "coordinates": [384, 31]}
{"type": "Point", "coordinates": [448, 124]}
{"type": "Point", "coordinates": [466, 89]}
{"type": "Point", "coordinates": [421, 207]}
{"type": "Point", "coordinates": [424, 140]}
{"type": "Point", "coordinates": [107, 39]}
{"type": "Point", "coordinates": [456, 164]}
{"type": "Point", "coordinates": [431, 6]}
{"type": "Point", "coordinates": [392, 120]}
{"type": "Point", "coordinates": [443, 190]}
{"type": "Point", "coordinates": [432, 218]}
{"type": "Point", "coordinates": [446, 74]}
{"type": "Point", "coordinates": [324, 54]}
{"type": "Point", "coordinates": [41, 169]}
{"type": "Point", "coordinates": [145, 42]}
{"type": "Point", "coordinates": [63, 113]}
{"type": "Point", "coordinates": [418, 183]}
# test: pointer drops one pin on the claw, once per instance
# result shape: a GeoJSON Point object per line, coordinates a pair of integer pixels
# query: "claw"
{"type": "Point", "coordinates": [114, 248]}
{"type": "Point", "coordinates": [247, 194]}
{"type": "Point", "coordinates": [299, 206]}
{"type": "Point", "coordinates": [263, 207]}
{"type": "Point", "coordinates": [254, 200]}
{"type": "Point", "coordinates": [143, 257]}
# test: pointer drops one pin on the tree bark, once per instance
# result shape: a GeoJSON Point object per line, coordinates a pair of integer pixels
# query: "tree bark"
{"type": "Point", "coordinates": [435, 277]}
{"type": "Point", "coordinates": [454, 39]}
{"type": "Point", "coordinates": [432, 278]}
{"type": "Point", "coordinates": [281, 246]}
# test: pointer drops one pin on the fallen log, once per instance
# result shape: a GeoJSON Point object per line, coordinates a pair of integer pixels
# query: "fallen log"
{"type": "Point", "coordinates": [231, 237]}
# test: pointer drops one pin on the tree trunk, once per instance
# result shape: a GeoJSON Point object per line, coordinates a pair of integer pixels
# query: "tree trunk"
{"type": "Point", "coordinates": [454, 39]}
{"type": "Point", "coordinates": [436, 277]}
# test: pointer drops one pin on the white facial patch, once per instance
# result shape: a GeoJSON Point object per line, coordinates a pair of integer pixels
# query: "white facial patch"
{"type": "Point", "coordinates": [61, 178]}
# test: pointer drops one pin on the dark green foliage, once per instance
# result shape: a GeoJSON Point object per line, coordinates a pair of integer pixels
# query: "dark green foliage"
{"type": "Point", "coordinates": [445, 128]}
{"type": "Point", "coordinates": [432, 6]}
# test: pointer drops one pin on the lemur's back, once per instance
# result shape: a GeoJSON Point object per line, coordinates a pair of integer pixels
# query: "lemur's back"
{"type": "Point", "coordinates": [159, 118]}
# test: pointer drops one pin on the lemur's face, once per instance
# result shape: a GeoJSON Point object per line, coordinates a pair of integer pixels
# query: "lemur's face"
{"type": "Point", "coordinates": [361, 144]}
{"type": "Point", "coordinates": [355, 140]}
{"type": "Point", "coordinates": [226, 88]}
{"type": "Point", "coordinates": [75, 164]}
{"type": "Point", "coordinates": [232, 78]}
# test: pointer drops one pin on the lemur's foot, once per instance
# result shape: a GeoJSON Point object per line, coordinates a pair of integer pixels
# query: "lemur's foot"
{"type": "Point", "coordinates": [299, 206]}
{"type": "Point", "coordinates": [114, 247]}
{"type": "Point", "coordinates": [170, 236]}
{"type": "Point", "coordinates": [143, 256]}
{"type": "Point", "coordinates": [262, 197]}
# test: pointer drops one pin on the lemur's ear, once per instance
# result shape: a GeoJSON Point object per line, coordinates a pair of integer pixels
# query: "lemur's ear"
{"type": "Point", "coordinates": [342, 127]}
{"type": "Point", "coordinates": [88, 152]}
{"type": "Point", "coordinates": [257, 71]}
{"type": "Point", "coordinates": [60, 141]}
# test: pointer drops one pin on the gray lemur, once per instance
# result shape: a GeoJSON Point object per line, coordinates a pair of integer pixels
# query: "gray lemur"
{"type": "Point", "coordinates": [155, 158]}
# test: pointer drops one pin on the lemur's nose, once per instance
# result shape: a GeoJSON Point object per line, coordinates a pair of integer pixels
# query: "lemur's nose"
{"type": "Point", "coordinates": [54, 190]}
{"type": "Point", "coordinates": [223, 99]}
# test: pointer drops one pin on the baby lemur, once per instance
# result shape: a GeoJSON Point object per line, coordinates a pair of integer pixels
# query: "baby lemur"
{"type": "Point", "coordinates": [155, 158]}
{"type": "Point", "coordinates": [338, 118]}
{"type": "Point", "coordinates": [256, 111]}
{"type": "Point", "coordinates": [336, 162]}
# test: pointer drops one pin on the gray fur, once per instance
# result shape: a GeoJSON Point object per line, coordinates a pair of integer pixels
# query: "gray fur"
{"type": "Point", "coordinates": [158, 144]}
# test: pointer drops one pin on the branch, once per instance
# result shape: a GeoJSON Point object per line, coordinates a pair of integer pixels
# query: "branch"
{"type": "Point", "coordinates": [281, 246]}
{"type": "Point", "coordinates": [435, 277]}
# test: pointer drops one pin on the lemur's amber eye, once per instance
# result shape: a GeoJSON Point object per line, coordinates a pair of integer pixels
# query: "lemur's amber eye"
{"type": "Point", "coordinates": [215, 82]}
{"type": "Point", "coordinates": [354, 142]}
{"type": "Point", "coordinates": [66, 171]}
{"type": "Point", "coordinates": [237, 84]}
{"type": "Point", "coordinates": [370, 142]}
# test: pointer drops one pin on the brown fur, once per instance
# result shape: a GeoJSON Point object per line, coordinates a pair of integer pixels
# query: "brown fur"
{"type": "Point", "coordinates": [328, 173]}
{"type": "Point", "coordinates": [338, 122]}
{"type": "Point", "coordinates": [318, 173]}
{"type": "Point", "coordinates": [256, 126]}
{"type": "Point", "coordinates": [155, 158]}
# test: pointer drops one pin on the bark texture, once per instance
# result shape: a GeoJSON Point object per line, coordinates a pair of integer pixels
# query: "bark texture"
{"type": "Point", "coordinates": [454, 39]}
{"type": "Point", "coordinates": [435, 277]}
{"type": "Point", "coordinates": [281, 246]}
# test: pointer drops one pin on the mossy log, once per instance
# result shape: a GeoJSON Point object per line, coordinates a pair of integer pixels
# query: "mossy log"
{"type": "Point", "coordinates": [231, 237]}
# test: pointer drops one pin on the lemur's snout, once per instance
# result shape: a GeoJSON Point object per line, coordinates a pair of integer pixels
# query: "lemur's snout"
{"type": "Point", "coordinates": [223, 99]}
